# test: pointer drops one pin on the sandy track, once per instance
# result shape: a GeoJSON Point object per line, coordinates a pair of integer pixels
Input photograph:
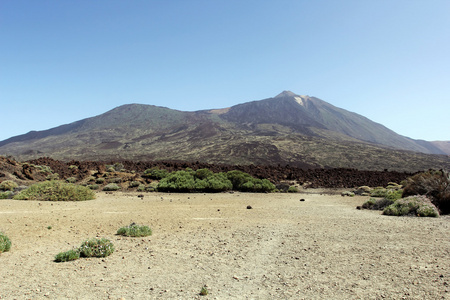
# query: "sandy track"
{"type": "Point", "coordinates": [322, 248]}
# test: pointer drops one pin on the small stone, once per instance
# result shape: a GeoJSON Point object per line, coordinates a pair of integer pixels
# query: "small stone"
{"type": "Point", "coordinates": [249, 207]}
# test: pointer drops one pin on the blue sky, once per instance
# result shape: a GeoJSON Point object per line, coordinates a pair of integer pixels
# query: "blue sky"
{"type": "Point", "coordinates": [62, 61]}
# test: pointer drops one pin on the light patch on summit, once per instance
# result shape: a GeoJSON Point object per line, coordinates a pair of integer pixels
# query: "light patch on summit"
{"type": "Point", "coordinates": [300, 100]}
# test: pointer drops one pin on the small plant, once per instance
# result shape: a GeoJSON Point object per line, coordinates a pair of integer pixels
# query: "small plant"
{"type": "Point", "coordinates": [67, 256]}
{"type": "Point", "coordinates": [5, 243]}
{"type": "Point", "coordinates": [8, 185]}
{"type": "Point", "coordinates": [6, 195]}
{"type": "Point", "coordinates": [134, 184]}
{"type": "Point", "coordinates": [73, 167]}
{"type": "Point", "coordinates": [96, 248]}
{"type": "Point", "coordinates": [377, 203]}
{"type": "Point", "coordinates": [156, 174]}
{"type": "Point", "coordinates": [292, 189]}
{"type": "Point", "coordinates": [204, 291]}
{"type": "Point", "coordinates": [71, 180]}
{"type": "Point", "coordinates": [49, 227]}
{"type": "Point", "coordinates": [115, 180]}
{"type": "Point", "coordinates": [52, 177]}
{"type": "Point", "coordinates": [56, 191]}
{"type": "Point", "coordinates": [134, 230]}
{"type": "Point", "coordinates": [100, 180]}
{"type": "Point", "coordinates": [93, 186]}
{"type": "Point", "coordinates": [111, 187]}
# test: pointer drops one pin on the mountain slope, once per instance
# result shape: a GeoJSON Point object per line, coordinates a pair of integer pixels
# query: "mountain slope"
{"type": "Point", "coordinates": [287, 129]}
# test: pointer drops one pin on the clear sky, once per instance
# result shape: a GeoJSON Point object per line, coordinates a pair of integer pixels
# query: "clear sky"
{"type": "Point", "coordinates": [62, 61]}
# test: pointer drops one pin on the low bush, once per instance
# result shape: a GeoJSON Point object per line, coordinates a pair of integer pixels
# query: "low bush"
{"type": "Point", "coordinates": [292, 189]}
{"type": "Point", "coordinates": [377, 203]}
{"type": "Point", "coordinates": [5, 243]}
{"type": "Point", "coordinates": [134, 230]}
{"type": "Point", "coordinates": [434, 184]}
{"type": "Point", "coordinates": [71, 180]}
{"type": "Point", "coordinates": [111, 187]}
{"type": "Point", "coordinates": [413, 206]}
{"type": "Point", "coordinates": [96, 248]}
{"type": "Point", "coordinates": [93, 186]}
{"type": "Point", "coordinates": [56, 191]}
{"type": "Point", "coordinates": [134, 184]}
{"type": "Point", "coordinates": [68, 255]}
{"type": "Point", "coordinates": [155, 173]}
{"type": "Point", "coordinates": [246, 183]}
{"type": "Point", "coordinates": [6, 195]}
{"type": "Point", "coordinates": [8, 185]}
{"type": "Point", "coordinates": [100, 180]}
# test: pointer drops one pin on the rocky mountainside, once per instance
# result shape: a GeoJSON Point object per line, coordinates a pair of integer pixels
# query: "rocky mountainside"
{"type": "Point", "coordinates": [301, 131]}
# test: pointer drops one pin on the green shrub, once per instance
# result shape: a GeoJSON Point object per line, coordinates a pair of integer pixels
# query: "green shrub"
{"type": "Point", "coordinates": [155, 173]}
{"type": "Point", "coordinates": [292, 189]}
{"type": "Point", "coordinates": [6, 195]}
{"type": "Point", "coordinates": [115, 180]}
{"type": "Point", "coordinates": [96, 248]}
{"type": "Point", "coordinates": [44, 169]}
{"type": "Point", "coordinates": [100, 180]}
{"type": "Point", "coordinates": [377, 203]}
{"type": "Point", "coordinates": [204, 291]}
{"type": "Point", "coordinates": [378, 192]}
{"type": "Point", "coordinates": [93, 186]}
{"type": "Point", "coordinates": [67, 256]}
{"type": "Point", "coordinates": [51, 177]}
{"type": "Point", "coordinates": [203, 173]}
{"type": "Point", "coordinates": [56, 191]}
{"type": "Point", "coordinates": [134, 184]}
{"type": "Point", "coordinates": [180, 181]}
{"type": "Point", "coordinates": [8, 185]}
{"type": "Point", "coordinates": [413, 205]}
{"type": "Point", "coordinates": [246, 183]}
{"type": "Point", "coordinates": [134, 230]}
{"type": "Point", "coordinates": [5, 243]}
{"type": "Point", "coordinates": [73, 167]}
{"type": "Point", "coordinates": [434, 184]}
{"type": "Point", "coordinates": [111, 187]}
{"type": "Point", "coordinates": [392, 194]}
{"type": "Point", "coordinates": [71, 180]}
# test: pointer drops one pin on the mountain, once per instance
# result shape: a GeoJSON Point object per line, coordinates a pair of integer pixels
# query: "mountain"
{"type": "Point", "coordinates": [444, 146]}
{"type": "Point", "coordinates": [287, 129]}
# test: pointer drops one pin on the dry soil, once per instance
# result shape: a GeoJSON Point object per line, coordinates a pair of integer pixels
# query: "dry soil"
{"type": "Point", "coordinates": [282, 248]}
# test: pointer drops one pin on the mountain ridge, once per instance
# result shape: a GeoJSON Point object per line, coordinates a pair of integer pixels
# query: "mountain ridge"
{"type": "Point", "coordinates": [285, 129]}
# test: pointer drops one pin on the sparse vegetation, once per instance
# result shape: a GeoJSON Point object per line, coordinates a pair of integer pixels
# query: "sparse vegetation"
{"type": "Point", "coordinates": [434, 184]}
{"type": "Point", "coordinates": [8, 185]}
{"type": "Point", "coordinates": [135, 230]}
{"type": "Point", "coordinates": [246, 183]}
{"type": "Point", "coordinates": [55, 191]}
{"type": "Point", "coordinates": [71, 180]}
{"type": "Point", "coordinates": [420, 206]}
{"type": "Point", "coordinates": [100, 180]}
{"type": "Point", "coordinates": [68, 255]}
{"type": "Point", "coordinates": [134, 184]}
{"type": "Point", "coordinates": [377, 203]}
{"type": "Point", "coordinates": [5, 243]}
{"type": "Point", "coordinates": [6, 195]}
{"type": "Point", "coordinates": [155, 173]}
{"type": "Point", "coordinates": [204, 291]}
{"type": "Point", "coordinates": [96, 248]}
{"type": "Point", "coordinates": [90, 248]}
{"type": "Point", "coordinates": [292, 189]}
{"type": "Point", "coordinates": [111, 187]}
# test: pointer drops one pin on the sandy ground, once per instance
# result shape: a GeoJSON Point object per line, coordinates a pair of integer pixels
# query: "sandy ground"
{"type": "Point", "coordinates": [283, 248]}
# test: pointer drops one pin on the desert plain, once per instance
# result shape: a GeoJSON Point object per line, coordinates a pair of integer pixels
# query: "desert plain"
{"type": "Point", "coordinates": [281, 248]}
